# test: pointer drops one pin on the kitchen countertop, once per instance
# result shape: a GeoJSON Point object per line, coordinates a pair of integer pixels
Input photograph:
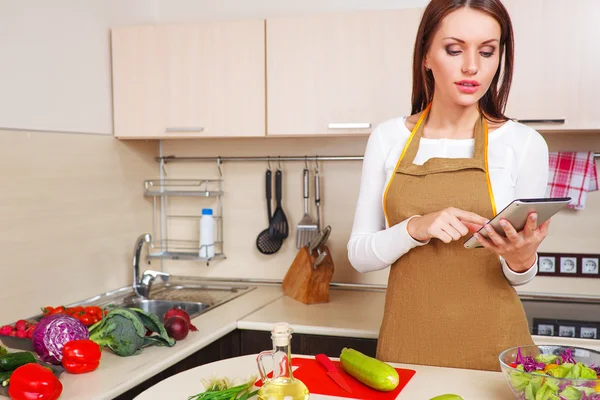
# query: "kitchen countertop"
{"type": "Point", "coordinates": [349, 313]}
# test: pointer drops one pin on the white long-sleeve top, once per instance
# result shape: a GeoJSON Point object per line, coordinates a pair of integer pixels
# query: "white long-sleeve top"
{"type": "Point", "coordinates": [518, 167]}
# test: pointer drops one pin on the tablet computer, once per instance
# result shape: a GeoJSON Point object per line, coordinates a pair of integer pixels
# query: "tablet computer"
{"type": "Point", "coordinates": [517, 212]}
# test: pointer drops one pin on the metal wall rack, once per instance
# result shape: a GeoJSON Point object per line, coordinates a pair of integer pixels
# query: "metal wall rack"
{"type": "Point", "coordinates": [162, 191]}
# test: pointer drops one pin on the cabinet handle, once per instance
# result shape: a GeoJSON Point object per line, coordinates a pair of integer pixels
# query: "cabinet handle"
{"type": "Point", "coordinates": [349, 125]}
{"type": "Point", "coordinates": [185, 129]}
{"type": "Point", "coordinates": [541, 121]}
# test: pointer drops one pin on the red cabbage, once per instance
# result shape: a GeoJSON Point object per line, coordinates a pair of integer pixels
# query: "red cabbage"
{"type": "Point", "coordinates": [53, 332]}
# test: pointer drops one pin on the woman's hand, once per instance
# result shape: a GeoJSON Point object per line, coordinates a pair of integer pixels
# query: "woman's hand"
{"type": "Point", "coordinates": [518, 248]}
{"type": "Point", "coordinates": [447, 225]}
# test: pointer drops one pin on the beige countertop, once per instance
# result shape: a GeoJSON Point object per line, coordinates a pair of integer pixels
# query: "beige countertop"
{"type": "Point", "coordinates": [348, 314]}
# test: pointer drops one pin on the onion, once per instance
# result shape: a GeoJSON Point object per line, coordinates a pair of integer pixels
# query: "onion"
{"type": "Point", "coordinates": [51, 334]}
{"type": "Point", "coordinates": [178, 312]}
{"type": "Point", "coordinates": [177, 328]}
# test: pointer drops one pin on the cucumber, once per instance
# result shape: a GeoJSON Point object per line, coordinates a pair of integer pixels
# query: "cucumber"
{"type": "Point", "coordinates": [368, 370]}
{"type": "Point", "coordinates": [12, 361]}
{"type": "Point", "coordinates": [5, 376]}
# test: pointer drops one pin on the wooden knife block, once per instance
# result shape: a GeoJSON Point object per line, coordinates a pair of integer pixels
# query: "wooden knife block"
{"type": "Point", "coordinates": [306, 284]}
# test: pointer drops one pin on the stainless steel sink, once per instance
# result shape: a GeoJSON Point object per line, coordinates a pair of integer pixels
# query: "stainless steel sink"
{"type": "Point", "coordinates": [160, 307]}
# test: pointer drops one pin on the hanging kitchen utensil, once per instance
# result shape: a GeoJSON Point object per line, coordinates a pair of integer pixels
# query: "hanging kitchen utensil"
{"type": "Point", "coordinates": [318, 197]}
{"type": "Point", "coordinates": [278, 228]}
{"type": "Point", "coordinates": [307, 228]}
{"type": "Point", "coordinates": [266, 243]}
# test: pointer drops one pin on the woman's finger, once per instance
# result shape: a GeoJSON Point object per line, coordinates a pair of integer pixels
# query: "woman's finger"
{"type": "Point", "coordinates": [511, 233]}
{"type": "Point", "coordinates": [467, 216]}
{"type": "Point", "coordinates": [443, 236]}
{"type": "Point", "coordinates": [471, 226]}
{"type": "Point", "coordinates": [452, 232]}
{"type": "Point", "coordinates": [542, 230]}
{"type": "Point", "coordinates": [530, 225]}
{"type": "Point", "coordinates": [494, 236]}
{"type": "Point", "coordinates": [483, 241]}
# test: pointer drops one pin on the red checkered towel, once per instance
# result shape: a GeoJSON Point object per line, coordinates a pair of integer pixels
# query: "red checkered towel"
{"type": "Point", "coordinates": [572, 175]}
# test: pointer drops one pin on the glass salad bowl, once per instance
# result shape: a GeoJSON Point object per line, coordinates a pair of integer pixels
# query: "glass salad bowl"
{"type": "Point", "coordinates": [552, 372]}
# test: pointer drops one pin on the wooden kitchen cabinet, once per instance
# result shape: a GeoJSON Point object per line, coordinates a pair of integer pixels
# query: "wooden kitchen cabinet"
{"type": "Point", "coordinates": [339, 73]}
{"type": "Point", "coordinates": [139, 87]}
{"type": "Point", "coordinates": [187, 81]}
{"type": "Point", "coordinates": [555, 74]}
{"type": "Point", "coordinates": [256, 341]}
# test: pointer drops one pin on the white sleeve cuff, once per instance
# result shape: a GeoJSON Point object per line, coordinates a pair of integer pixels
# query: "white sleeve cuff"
{"type": "Point", "coordinates": [519, 278]}
{"type": "Point", "coordinates": [391, 244]}
{"type": "Point", "coordinates": [414, 241]}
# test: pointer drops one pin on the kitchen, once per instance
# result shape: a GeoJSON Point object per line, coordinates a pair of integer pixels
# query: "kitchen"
{"type": "Point", "coordinates": [75, 203]}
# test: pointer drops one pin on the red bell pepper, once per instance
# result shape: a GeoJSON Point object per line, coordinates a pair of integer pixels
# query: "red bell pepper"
{"type": "Point", "coordinates": [80, 356]}
{"type": "Point", "coordinates": [34, 382]}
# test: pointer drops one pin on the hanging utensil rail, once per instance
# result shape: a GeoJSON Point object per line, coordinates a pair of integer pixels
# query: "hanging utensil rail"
{"type": "Point", "coordinates": [168, 159]}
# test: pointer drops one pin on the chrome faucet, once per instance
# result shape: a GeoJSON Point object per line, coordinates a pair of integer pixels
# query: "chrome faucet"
{"type": "Point", "coordinates": [141, 285]}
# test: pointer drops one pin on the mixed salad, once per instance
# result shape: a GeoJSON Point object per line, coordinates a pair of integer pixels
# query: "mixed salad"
{"type": "Point", "coordinates": [535, 377]}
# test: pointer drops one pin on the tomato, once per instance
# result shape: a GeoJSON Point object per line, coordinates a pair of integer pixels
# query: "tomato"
{"type": "Point", "coordinates": [47, 310]}
{"type": "Point", "coordinates": [93, 310]}
{"type": "Point", "coordinates": [58, 310]}
{"type": "Point", "coordinates": [78, 309]}
{"type": "Point", "coordinates": [514, 365]}
{"type": "Point", "coordinates": [87, 319]}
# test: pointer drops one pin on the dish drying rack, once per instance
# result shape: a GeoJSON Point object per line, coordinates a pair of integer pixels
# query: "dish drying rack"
{"type": "Point", "coordinates": [163, 192]}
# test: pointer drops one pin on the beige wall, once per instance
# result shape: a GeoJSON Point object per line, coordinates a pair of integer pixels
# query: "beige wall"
{"type": "Point", "coordinates": [71, 208]}
{"type": "Point", "coordinates": [245, 215]}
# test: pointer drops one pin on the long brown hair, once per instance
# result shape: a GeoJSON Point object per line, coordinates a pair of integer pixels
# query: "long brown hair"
{"type": "Point", "coordinates": [493, 102]}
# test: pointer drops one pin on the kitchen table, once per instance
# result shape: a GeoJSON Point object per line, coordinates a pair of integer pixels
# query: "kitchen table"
{"type": "Point", "coordinates": [428, 381]}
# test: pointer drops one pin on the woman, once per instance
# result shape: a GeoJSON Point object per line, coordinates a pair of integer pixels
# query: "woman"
{"type": "Point", "coordinates": [442, 173]}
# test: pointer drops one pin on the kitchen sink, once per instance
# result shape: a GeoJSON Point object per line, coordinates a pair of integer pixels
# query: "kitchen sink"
{"type": "Point", "coordinates": [193, 295]}
{"type": "Point", "coordinates": [160, 307]}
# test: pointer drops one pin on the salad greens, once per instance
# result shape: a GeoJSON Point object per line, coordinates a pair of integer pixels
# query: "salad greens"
{"type": "Point", "coordinates": [536, 377]}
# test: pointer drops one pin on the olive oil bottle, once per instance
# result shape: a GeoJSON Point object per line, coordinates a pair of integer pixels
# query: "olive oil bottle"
{"type": "Point", "coordinates": [283, 385]}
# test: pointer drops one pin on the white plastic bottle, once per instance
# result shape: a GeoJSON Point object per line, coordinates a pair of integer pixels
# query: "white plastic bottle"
{"type": "Point", "coordinates": [207, 234]}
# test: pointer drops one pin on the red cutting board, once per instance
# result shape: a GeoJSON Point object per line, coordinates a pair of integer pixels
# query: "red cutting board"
{"type": "Point", "coordinates": [317, 381]}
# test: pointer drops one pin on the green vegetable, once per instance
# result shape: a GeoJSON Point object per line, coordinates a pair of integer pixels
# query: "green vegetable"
{"type": "Point", "coordinates": [447, 397]}
{"type": "Point", "coordinates": [570, 393]}
{"type": "Point", "coordinates": [12, 361]}
{"type": "Point", "coordinates": [546, 358]}
{"type": "Point", "coordinates": [123, 330]}
{"type": "Point", "coordinates": [3, 350]}
{"type": "Point", "coordinates": [4, 377]}
{"type": "Point", "coordinates": [219, 390]}
{"type": "Point", "coordinates": [368, 370]}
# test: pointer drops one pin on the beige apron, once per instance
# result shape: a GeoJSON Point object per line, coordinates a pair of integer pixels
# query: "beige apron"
{"type": "Point", "coordinates": [446, 305]}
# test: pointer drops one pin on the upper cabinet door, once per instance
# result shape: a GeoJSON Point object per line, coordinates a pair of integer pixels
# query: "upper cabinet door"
{"type": "Point", "coordinates": [216, 76]}
{"type": "Point", "coordinates": [204, 80]}
{"type": "Point", "coordinates": [339, 73]}
{"type": "Point", "coordinates": [555, 81]}
{"type": "Point", "coordinates": [538, 92]}
{"type": "Point", "coordinates": [139, 88]}
{"type": "Point", "coordinates": [578, 51]}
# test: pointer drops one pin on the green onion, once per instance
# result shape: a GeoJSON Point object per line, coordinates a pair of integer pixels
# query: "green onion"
{"type": "Point", "coordinates": [217, 393]}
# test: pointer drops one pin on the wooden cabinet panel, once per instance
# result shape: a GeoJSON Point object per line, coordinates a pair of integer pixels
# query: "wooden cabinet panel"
{"type": "Point", "coordinates": [351, 69]}
{"type": "Point", "coordinates": [257, 341]}
{"type": "Point", "coordinates": [186, 81]}
{"type": "Point", "coordinates": [555, 74]}
{"type": "Point", "coordinates": [139, 87]}
{"type": "Point", "coordinates": [216, 76]}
